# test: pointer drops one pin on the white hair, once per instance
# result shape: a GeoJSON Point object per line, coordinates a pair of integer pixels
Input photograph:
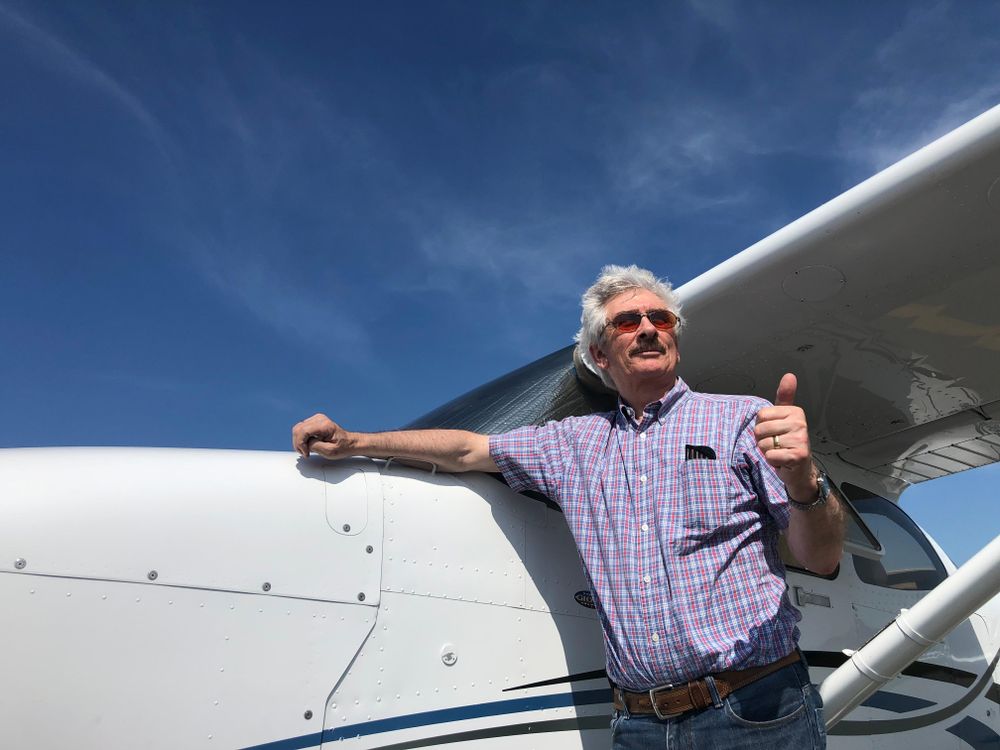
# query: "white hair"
{"type": "Point", "coordinates": [612, 281]}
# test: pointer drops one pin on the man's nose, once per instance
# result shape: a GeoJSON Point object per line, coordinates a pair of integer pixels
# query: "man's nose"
{"type": "Point", "coordinates": [646, 328]}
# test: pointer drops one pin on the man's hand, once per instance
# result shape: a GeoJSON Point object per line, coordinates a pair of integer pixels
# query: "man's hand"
{"type": "Point", "coordinates": [324, 436]}
{"type": "Point", "coordinates": [783, 437]}
{"type": "Point", "coordinates": [816, 536]}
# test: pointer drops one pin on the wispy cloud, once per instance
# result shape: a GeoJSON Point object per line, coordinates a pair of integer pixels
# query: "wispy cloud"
{"type": "Point", "coordinates": [284, 299]}
{"type": "Point", "coordinates": [536, 260]}
{"type": "Point", "coordinates": [52, 51]}
{"type": "Point", "coordinates": [666, 154]}
{"type": "Point", "coordinates": [933, 73]}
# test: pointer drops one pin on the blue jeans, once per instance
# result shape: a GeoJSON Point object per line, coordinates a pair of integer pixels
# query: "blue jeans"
{"type": "Point", "coordinates": [781, 710]}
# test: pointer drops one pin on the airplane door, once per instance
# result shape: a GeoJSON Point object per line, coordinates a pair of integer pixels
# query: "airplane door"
{"type": "Point", "coordinates": [899, 714]}
{"type": "Point", "coordinates": [828, 626]}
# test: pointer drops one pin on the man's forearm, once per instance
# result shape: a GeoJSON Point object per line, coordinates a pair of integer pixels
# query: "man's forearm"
{"type": "Point", "coordinates": [449, 450]}
{"type": "Point", "coordinates": [816, 536]}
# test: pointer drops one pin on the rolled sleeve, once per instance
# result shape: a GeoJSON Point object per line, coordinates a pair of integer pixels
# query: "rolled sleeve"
{"type": "Point", "coordinates": [530, 458]}
{"type": "Point", "coordinates": [769, 488]}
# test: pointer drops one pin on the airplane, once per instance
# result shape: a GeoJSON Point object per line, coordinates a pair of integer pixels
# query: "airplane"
{"type": "Point", "coordinates": [165, 598]}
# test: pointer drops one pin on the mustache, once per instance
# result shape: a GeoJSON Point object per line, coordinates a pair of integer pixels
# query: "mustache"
{"type": "Point", "coordinates": [649, 345]}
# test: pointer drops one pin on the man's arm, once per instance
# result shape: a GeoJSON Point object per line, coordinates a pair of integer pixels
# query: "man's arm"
{"type": "Point", "coordinates": [450, 450]}
{"type": "Point", "coordinates": [815, 536]}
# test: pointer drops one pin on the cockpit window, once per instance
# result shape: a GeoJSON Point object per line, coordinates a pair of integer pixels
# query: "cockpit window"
{"type": "Point", "coordinates": [908, 562]}
{"type": "Point", "coordinates": [548, 388]}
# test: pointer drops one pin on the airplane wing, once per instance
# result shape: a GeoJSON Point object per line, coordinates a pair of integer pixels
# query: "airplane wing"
{"type": "Point", "coordinates": [884, 302]}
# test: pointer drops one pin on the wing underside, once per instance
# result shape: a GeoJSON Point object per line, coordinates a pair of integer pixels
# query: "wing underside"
{"type": "Point", "coordinates": [884, 302]}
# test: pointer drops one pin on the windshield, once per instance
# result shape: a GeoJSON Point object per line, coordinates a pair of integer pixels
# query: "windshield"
{"type": "Point", "coordinates": [548, 388]}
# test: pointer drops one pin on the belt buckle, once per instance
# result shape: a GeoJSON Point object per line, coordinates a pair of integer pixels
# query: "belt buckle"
{"type": "Point", "coordinates": [656, 708]}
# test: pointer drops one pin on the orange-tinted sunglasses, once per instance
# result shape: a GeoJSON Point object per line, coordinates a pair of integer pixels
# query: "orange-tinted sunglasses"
{"type": "Point", "coordinates": [629, 322]}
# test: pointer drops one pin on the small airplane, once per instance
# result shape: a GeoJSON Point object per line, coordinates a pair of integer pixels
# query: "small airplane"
{"type": "Point", "coordinates": [161, 598]}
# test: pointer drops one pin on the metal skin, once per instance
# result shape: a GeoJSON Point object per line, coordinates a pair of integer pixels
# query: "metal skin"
{"type": "Point", "coordinates": [304, 604]}
{"type": "Point", "coordinates": [475, 626]}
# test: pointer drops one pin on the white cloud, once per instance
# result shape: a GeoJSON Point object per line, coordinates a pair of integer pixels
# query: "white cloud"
{"type": "Point", "coordinates": [285, 299]}
{"type": "Point", "coordinates": [539, 261]}
{"type": "Point", "coordinates": [61, 57]}
{"type": "Point", "coordinates": [933, 73]}
{"type": "Point", "coordinates": [677, 158]}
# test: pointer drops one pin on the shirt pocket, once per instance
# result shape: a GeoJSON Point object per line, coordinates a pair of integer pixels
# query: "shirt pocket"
{"type": "Point", "coordinates": [708, 492]}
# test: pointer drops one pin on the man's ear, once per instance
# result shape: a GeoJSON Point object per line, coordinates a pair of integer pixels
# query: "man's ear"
{"type": "Point", "coordinates": [599, 357]}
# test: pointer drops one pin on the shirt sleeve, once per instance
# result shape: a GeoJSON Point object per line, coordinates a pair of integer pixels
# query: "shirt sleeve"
{"type": "Point", "coordinates": [769, 488]}
{"type": "Point", "coordinates": [531, 458]}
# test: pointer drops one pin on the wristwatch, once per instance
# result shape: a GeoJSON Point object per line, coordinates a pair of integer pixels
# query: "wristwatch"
{"type": "Point", "coordinates": [822, 494]}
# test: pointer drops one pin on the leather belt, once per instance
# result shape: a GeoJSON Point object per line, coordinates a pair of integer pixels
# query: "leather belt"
{"type": "Point", "coordinates": [668, 701]}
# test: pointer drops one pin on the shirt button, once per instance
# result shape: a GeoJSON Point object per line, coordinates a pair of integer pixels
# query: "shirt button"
{"type": "Point", "coordinates": [656, 637]}
{"type": "Point", "coordinates": [645, 527]}
{"type": "Point", "coordinates": [646, 578]}
{"type": "Point", "coordinates": [642, 436]}
{"type": "Point", "coordinates": [642, 478]}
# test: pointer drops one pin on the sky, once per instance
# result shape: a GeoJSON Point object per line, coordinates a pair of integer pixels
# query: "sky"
{"type": "Point", "coordinates": [220, 218]}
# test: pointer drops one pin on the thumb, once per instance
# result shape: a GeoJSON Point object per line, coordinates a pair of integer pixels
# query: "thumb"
{"type": "Point", "coordinates": [786, 390]}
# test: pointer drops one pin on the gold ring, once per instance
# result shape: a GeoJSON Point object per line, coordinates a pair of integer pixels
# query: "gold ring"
{"type": "Point", "coordinates": [777, 443]}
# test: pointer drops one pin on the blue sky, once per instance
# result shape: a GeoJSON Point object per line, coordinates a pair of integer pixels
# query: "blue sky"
{"type": "Point", "coordinates": [220, 218]}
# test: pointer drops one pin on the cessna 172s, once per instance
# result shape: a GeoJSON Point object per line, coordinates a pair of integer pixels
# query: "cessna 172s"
{"type": "Point", "coordinates": [232, 599]}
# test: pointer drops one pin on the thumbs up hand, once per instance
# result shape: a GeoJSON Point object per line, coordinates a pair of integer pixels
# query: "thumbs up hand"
{"type": "Point", "coordinates": [782, 435]}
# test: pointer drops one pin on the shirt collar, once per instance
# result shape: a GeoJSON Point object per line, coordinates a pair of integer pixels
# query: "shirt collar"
{"type": "Point", "coordinates": [657, 410]}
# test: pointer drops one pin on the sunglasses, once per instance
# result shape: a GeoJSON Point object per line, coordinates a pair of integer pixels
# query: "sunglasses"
{"type": "Point", "coordinates": [629, 322]}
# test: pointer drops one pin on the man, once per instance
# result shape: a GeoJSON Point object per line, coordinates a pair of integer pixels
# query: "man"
{"type": "Point", "coordinates": [676, 501]}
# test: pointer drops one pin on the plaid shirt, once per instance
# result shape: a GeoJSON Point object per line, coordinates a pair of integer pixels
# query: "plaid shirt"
{"type": "Point", "coordinates": [681, 549]}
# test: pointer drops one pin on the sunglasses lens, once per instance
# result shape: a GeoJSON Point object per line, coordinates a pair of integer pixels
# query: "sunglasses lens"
{"type": "Point", "coordinates": [662, 320]}
{"type": "Point", "coordinates": [627, 322]}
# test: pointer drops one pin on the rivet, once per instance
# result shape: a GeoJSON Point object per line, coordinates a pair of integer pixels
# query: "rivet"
{"type": "Point", "coordinates": [19, 563]}
{"type": "Point", "coordinates": [369, 549]}
{"type": "Point", "coordinates": [152, 575]}
{"type": "Point", "coordinates": [266, 586]}
{"type": "Point", "coordinates": [347, 527]}
{"type": "Point", "coordinates": [308, 715]}
{"type": "Point", "coordinates": [361, 597]}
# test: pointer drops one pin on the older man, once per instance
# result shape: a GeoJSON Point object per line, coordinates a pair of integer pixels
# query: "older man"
{"type": "Point", "coordinates": [676, 500]}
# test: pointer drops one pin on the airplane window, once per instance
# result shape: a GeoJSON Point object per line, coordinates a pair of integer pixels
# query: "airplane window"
{"type": "Point", "coordinates": [859, 537]}
{"type": "Point", "coordinates": [909, 562]}
{"type": "Point", "coordinates": [548, 388]}
{"type": "Point", "coordinates": [858, 534]}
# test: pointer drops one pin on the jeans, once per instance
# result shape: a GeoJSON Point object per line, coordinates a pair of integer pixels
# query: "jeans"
{"type": "Point", "coordinates": [781, 710]}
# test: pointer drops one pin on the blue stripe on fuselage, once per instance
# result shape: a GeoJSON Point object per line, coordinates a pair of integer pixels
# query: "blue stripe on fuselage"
{"type": "Point", "coordinates": [440, 716]}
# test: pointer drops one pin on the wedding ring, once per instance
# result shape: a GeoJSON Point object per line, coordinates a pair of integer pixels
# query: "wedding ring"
{"type": "Point", "coordinates": [777, 443]}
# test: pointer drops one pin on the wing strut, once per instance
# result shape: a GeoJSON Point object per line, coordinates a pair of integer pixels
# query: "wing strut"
{"type": "Point", "coordinates": [912, 633]}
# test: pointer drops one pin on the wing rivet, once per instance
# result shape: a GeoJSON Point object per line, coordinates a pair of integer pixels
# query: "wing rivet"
{"type": "Point", "coordinates": [266, 586]}
{"type": "Point", "coordinates": [152, 575]}
{"type": "Point", "coordinates": [347, 527]}
{"type": "Point", "coordinates": [20, 563]}
{"type": "Point", "coordinates": [308, 715]}
{"type": "Point", "coordinates": [361, 597]}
